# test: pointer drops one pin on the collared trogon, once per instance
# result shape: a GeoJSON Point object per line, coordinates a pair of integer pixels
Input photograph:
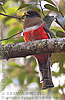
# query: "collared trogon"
{"type": "Point", "coordinates": [34, 28]}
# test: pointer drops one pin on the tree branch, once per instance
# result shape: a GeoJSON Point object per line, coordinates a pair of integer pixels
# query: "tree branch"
{"type": "Point", "coordinates": [11, 36]}
{"type": "Point", "coordinates": [24, 49]}
{"type": "Point", "coordinates": [11, 16]}
{"type": "Point", "coordinates": [41, 8]}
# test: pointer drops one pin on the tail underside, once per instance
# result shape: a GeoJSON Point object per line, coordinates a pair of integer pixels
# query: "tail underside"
{"type": "Point", "coordinates": [46, 74]}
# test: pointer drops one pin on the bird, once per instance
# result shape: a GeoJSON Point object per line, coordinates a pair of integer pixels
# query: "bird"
{"type": "Point", "coordinates": [34, 28]}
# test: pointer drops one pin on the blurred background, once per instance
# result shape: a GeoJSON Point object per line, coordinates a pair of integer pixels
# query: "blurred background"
{"type": "Point", "coordinates": [19, 77]}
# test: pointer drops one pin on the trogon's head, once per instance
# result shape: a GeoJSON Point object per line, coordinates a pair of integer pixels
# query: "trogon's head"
{"type": "Point", "coordinates": [32, 13]}
{"type": "Point", "coordinates": [32, 18]}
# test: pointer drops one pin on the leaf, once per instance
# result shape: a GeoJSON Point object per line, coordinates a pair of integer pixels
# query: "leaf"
{"type": "Point", "coordinates": [34, 8]}
{"type": "Point", "coordinates": [24, 5]}
{"type": "Point", "coordinates": [30, 79]}
{"type": "Point", "coordinates": [60, 58]}
{"type": "Point", "coordinates": [61, 21]}
{"type": "Point", "coordinates": [22, 77]}
{"type": "Point", "coordinates": [13, 64]}
{"type": "Point", "coordinates": [1, 8]}
{"type": "Point", "coordinates": [56, 29]}
{"type": "Point", "coordinates": [31, 63]}
{"type": "Point", "coordinates": [60, 34]}
{"type": "Point", "coordinates": [11, 10]}
{"type": "Point", "coordinates": [48, 20]}
{"type": "Point", "coordinates": [4, 83]}
{"type": "Point", "coordinates": [53, 3]}
{"type": "Point", "coordinates": [63, 85]}
{"type": "Point", "coordinates": [10, 21]}
{"type": "Point", "coordinates": [55, 58]}
{"type": "Point", "coordinates": [50, 7]}
{"type": "Point", "coordinates": [61, 62]}
{"type": "Point", "coordinates": [49, 1]}
{"type": "Point", "coordinates": [54, 33]}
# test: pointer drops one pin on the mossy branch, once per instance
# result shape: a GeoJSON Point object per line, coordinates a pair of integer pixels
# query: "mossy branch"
{"type": "Point", "coordinates": [23, 49]}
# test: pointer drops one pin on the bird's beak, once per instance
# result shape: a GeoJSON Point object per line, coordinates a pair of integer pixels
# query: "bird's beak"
{"type": "Point", "coordinates": [23, 17]}
{"type": "Point", "coordinates": [26, 13]}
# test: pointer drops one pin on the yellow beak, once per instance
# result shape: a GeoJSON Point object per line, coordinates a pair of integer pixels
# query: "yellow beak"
{"type": "Point", "coordinates": [26, 13]}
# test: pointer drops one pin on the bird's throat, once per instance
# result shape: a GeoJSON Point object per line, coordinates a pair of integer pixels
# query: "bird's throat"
{"type": "Point", "coordinates": [30, 22]}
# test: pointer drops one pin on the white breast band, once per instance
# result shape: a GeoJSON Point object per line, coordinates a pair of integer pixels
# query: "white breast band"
{"type": "Point", "coordinates": [32, 28]}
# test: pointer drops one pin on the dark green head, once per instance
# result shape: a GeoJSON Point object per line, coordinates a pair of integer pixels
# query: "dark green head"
{"type": "Point", "coordinates": [32, 13]}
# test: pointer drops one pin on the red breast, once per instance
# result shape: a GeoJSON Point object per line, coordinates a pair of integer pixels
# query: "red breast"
{"type": "Point", "coordinates": [35, 34]}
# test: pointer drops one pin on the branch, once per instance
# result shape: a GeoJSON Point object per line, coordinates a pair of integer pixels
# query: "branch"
{"type": "Point", "coordinates": [11, 36]}
{"type": "Point", "coordinates": [24, 49]}
{"type": "Point", "coordinates": [11, 16]}
{"type": "Point", "coordinates": [41, 8]}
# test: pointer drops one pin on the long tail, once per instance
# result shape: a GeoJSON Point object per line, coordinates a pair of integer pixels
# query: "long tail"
{"type": "Point", "coordinates": [46, 74]}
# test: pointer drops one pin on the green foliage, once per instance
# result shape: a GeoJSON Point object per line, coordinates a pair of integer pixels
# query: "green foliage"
{"type": "Point", "coordinates": [1, 8]}
{"type": "Point", "coordinates": [50, 7]}
{"type": "Point", "coordinates": [24, 5]}
{"type": "Point", "coordinates": [4, 83]}
{"type": "Point", "coordinates": [60, 34]}
{"type": "Point", "coordinates": [50, 1]}
{"type": "Point", "coordinates": [58, 31]}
